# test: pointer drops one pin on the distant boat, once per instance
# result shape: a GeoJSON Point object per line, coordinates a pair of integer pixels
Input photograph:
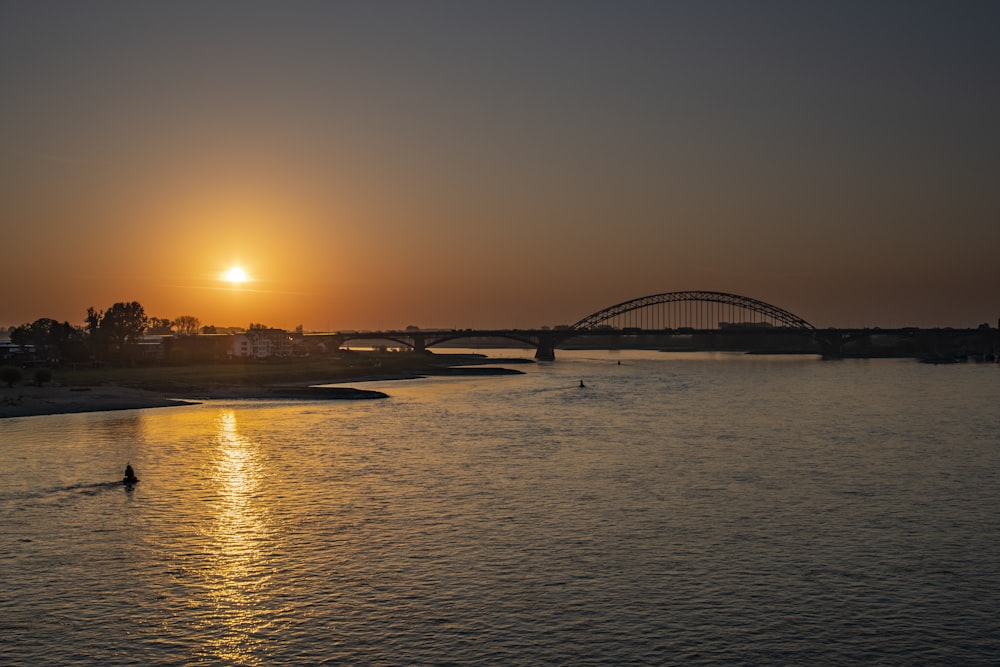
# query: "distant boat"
{"type": "Point", "coordinates": [939, 360]}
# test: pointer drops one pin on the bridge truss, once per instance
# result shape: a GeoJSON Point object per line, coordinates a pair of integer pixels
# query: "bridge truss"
{"type": "Point", "coordinates": [696, 310]}
{"type": "Point", "coordinates": [702, 312]}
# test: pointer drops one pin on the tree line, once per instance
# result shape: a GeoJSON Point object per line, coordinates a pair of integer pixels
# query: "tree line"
{"type": "Point", "coordinates": [109, 336]}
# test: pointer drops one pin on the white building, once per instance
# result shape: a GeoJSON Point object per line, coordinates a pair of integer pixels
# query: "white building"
{"type": "Point", "coordinates": [261, 344]}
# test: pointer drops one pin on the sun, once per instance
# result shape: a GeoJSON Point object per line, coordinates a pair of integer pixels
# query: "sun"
{"type": "Point", "coordinates": [236, 275]}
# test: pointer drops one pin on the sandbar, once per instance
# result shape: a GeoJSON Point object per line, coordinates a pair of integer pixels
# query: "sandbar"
{"type": "Point", "coordinates": [30, 401]}
{"type": "Point", "coordinates": [52, 399]}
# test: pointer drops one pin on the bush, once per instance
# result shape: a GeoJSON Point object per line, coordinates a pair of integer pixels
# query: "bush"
{"type": "Point", "coordinates": [10, 375]}
{"type": "Point", "coordinates": [42, 375]}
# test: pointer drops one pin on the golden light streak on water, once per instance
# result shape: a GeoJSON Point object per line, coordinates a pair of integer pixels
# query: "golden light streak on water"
{"type": "Point", "coordinates": [239, 573]}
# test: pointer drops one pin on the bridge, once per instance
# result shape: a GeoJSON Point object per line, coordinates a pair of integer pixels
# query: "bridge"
{"type": "Point", "coordinates": [693, 313]}
{"type": "Point", "coordinates": [700, 320]}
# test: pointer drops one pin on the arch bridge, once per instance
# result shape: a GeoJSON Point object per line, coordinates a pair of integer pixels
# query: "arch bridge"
{"type": "Point", "coordinates": [701, 312]}
{"type": "Point", "coordinates": [696, 310]}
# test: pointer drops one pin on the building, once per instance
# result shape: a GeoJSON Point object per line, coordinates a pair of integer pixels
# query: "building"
{"type": "Point", "coordinates": [261, 344]}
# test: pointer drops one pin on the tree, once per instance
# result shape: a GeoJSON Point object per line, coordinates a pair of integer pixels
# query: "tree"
{"type": "Point", "coordinates": [159, 326]}
{"type": "Point", "coordinates": [116, 333]}
{"type": "Point", "coordinates": [10, 375]}
{"type": "Point", "coordinates": [42, 375]}
{"type": "Point", "coordinates": [187, 324]}
{"type": "Point", "coordinates": [53, 342]}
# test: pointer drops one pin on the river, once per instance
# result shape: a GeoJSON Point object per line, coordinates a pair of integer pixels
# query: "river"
{"type": "Point", "coordinates": [677, 509]}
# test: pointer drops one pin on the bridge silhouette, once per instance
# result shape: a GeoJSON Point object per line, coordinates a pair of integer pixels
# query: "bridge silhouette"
{"type": "Point", "coordinates": [677, 313]}
{"type": "Point", "coordinates": [694, 320]}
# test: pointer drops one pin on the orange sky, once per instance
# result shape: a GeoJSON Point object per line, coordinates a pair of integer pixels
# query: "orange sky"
{"type": "Point", "coordinates": [465, 165]}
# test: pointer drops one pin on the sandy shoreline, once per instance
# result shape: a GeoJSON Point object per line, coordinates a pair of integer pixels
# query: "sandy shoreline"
{"type": "Point", "coordinates": [31, 401]}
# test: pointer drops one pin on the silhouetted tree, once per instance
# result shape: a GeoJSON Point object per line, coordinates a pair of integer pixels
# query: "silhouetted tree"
{"type": "Point", "coordinates": [159, 326]}
{"type": "Point", "coordinates": [42, 375]}
{"type": "Point", "coordinates": [115, 333]}
{"type": "Point", "coordinates": [10, 375]}
{"type": "Point", "coordinates": [53, 342]}
{"type": "Point", "coordinates": [187, 324]}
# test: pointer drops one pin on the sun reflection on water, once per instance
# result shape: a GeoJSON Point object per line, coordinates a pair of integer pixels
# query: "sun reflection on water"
{"type": "Point", "coordinates": [240, 575]}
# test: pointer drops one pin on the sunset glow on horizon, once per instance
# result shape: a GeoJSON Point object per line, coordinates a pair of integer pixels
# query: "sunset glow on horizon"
{"type": "Point", "coordinates": [453, 165]}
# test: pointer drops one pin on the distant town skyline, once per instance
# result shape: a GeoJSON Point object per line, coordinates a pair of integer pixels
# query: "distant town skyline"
{"type": "Point", "coordinates": [494, 165]}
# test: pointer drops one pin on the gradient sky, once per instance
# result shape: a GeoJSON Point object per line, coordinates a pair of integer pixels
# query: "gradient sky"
{"type": "Point", "coordinates": [499, 164]}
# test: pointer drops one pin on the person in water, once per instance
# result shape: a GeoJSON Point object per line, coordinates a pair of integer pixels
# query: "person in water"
{"type": "Point", "coordinates": [129, 474]}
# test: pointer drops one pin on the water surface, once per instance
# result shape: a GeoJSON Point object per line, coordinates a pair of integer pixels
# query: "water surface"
{"type": "Point", "coordinates": [679, 509]}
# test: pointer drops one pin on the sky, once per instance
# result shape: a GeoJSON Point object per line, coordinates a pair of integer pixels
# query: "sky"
{"type": "Point", "coordinates": [498, 164]}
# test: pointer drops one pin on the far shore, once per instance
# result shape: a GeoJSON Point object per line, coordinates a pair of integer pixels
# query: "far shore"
{"type": "Point", "coordinates": [97, 390]}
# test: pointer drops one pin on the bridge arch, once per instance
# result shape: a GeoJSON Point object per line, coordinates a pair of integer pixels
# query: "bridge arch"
{"type": "Point", "coordinates": [696, 310]}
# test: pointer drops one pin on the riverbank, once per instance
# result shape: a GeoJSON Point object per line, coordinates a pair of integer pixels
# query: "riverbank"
{"type": "Point", "coordinates": [99, 389]}
{"type": "Point", "coordinates": [30, 401]}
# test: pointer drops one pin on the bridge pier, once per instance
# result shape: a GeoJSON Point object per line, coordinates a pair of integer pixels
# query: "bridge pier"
{"type": "Point", "coordinates": [546, 350]}
{"type": "Point", "coordinates": [831, 344]}
{"type": "Point", "coordinates": [419, 342]}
